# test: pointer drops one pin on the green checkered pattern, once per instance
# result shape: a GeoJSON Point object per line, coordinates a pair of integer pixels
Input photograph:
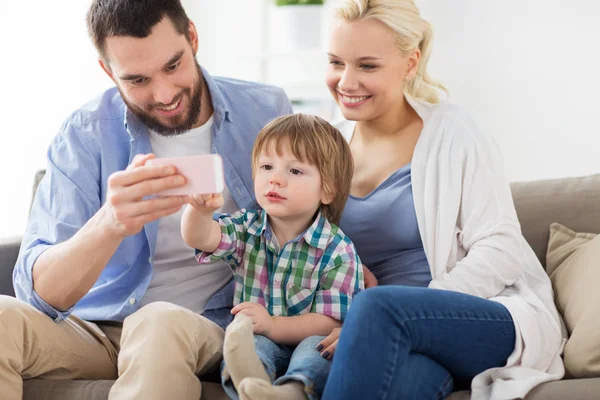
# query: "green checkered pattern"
{"type": "Point", "coordinates": [318, 272]}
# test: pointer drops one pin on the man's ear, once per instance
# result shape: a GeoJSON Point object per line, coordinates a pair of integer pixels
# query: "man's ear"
{"type": "Point", "coordinates": [106, 69]}
{"type": "Point", "coordinates": [193, 35]}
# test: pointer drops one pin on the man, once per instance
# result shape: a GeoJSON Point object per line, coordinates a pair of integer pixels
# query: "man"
{"type": "Point", "coordinates": [100, 249]}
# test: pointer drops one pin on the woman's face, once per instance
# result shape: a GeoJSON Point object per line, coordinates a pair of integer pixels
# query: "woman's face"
{"type": "Point", "coordinates": [366, 70]}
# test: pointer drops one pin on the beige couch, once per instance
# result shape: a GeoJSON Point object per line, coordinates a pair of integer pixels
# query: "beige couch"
{"type": "Point", "coordinates": [574, 202]}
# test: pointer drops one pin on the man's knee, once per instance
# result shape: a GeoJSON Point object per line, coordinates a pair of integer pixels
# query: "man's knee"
{"type": "Point", "coordinates": [163, 318]}
{"type": "Point", "coordinates": [156, 315]}
{"type": "Point", "coordinates": [13, 309]}
{"type": "Point", "coordinates": [13, 316]}
{"type": "Point", "coordinates": [168, 330]}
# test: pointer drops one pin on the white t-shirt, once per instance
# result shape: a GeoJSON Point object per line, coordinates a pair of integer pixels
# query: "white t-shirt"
{"type": "Point", "coordinates": [177, 277]}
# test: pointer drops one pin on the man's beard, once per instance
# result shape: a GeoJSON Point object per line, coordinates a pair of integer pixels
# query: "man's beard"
{"type": "Point", "coordinates": [178, 127]}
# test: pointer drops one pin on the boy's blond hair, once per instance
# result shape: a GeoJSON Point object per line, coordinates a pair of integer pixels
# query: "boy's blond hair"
{"type": "Point", "coordinates": [313, 140]}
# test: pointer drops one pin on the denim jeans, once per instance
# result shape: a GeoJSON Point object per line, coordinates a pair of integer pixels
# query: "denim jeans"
{"type": "Point", "coordinates": [401, 342]}
{"type": "Point", "coordinates": [285, 363]}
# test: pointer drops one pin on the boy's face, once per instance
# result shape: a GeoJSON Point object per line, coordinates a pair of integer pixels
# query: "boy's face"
{"type": "Point", "coordinates": [287, 188]}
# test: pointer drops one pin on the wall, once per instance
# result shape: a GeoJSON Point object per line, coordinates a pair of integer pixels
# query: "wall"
{"type": "Point", "coordinates": [527, 68]}
{"type": "Point", "coordinates": [48, 69]}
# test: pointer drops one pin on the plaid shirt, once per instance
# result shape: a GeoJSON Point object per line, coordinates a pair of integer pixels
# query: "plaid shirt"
{"type": "Point", "coordinates": [317, 272]}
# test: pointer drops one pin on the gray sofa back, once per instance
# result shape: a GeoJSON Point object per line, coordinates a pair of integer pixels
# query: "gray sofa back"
{"type": "Point", "coordinates": [573, 202]}
{"type": "Point", "coordinates": [9, 249]}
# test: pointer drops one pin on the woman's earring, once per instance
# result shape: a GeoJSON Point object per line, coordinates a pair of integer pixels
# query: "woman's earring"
{"type": "Point", "coordinates": [407, 78]}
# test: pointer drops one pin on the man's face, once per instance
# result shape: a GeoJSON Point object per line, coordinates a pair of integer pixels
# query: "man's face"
{"type": "Point", "coordinates": [158, 77]}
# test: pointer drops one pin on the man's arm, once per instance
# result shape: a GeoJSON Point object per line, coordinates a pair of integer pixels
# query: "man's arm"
{"type": "Point", "coordinates": [65, 272]}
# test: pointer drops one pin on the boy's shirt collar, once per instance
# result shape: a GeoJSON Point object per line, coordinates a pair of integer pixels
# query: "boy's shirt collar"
{"type": "Point", "coordinates": [316, 235]}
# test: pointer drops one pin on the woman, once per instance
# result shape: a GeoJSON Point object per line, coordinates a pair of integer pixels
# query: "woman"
{"type": "Point", "coordinates": [464, 299]}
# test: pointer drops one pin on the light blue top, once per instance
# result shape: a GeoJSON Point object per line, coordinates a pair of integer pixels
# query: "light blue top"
{"type": "Point", "coordinates": [103, 137]}
{"type": "Point", "coordinates": [383, 227]}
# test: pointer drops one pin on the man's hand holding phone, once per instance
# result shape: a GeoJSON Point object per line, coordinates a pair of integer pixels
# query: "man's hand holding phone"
{"type": "Point", "coordinates": [127, 207]}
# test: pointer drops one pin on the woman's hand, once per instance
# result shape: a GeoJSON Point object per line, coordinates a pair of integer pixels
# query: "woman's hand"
{"type": "Point", "coordinates": [370, 280]}
{"type": "Point", "coordinates": [262, 322]}
{"type": "Point", "coordinates": [327, 346]}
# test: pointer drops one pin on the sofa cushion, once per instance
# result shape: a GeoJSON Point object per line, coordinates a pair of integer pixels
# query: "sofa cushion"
{"type": "Point", "coordinates": [571, 201]}
{"type": "Point", "coordinates": [573, 262]}
{"type": "Point", "coordinates": [572, 389]}
{"type": "Point", "coordinates": [46, 389]}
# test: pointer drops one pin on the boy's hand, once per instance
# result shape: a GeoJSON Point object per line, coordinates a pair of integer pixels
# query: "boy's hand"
{"type": "Point", "coordinates": [206, 203]}
{"type": "Point", "coordinates": [262, 322]}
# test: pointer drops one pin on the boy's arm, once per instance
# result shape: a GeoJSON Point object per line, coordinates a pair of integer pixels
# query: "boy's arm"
{"type": "Point", "coordinates": [339, 283]}
{"type": "Point", "coordinates": [293, 330]}
{"type": "Point", "coordinates": [198, 229]}
{"type": "Point", "coordinates": [286, 330]}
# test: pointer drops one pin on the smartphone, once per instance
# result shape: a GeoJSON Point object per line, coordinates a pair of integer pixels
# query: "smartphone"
{"type": "Point", "coordinates": [204, 174]}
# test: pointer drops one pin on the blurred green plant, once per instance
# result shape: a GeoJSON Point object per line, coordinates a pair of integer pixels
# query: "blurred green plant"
{"type": "Point", "coordinates": [297, 2]}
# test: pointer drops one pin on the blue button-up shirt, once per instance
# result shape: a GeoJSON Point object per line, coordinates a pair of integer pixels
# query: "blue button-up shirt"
{"type": "Point", "coordinates": [103, 137]}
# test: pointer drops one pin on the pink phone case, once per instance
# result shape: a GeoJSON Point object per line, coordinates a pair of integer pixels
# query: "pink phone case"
{"type": "Point", "coordinates": [204, 174]}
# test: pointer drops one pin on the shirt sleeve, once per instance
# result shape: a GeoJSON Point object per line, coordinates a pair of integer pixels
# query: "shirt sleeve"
{"type": "Point", "coordinates": [488, 228]}
{"type": "Point", "coordinates": [339, 283]}
{"type": "Point", "coordinates": [285, 107]}
{"type": "Point", "coordinates": [66, 198]}
{"type": "Point", "coordinates": [233, 240]}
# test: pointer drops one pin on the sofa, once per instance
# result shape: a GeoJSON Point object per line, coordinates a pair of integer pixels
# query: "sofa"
{"type": "Point", "coordinates": [574, 202]}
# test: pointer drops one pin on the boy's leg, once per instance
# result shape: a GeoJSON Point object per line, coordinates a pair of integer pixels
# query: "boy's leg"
{"type": "Point", "coordinates": [248, 355]}
{"type": "Point", "coordinates": [240, 352]}
{"type": "Point", "coordinates": [308, 367]}
{"type": "Point", "coordinates": [305, 377]}
{"type": "Point", "coordinates": [163, 348]}
{"type": "Point", "coordinates": [32, 345]}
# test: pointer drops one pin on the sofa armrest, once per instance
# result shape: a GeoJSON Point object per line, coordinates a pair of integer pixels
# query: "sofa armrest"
{"type": "Point", "coordinates": [9, 251]}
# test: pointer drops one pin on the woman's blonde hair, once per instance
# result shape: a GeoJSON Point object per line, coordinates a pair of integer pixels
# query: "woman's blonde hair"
{"type": "Point", "coordinates": [315, 141]}
{"type": "Point", "coordinates": [411, 31]}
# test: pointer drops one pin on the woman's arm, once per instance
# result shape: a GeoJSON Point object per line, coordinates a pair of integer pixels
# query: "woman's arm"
{"type": "Point", "coordinates": [487, 225]}
{"type": "Point", "coordinates": [493, 262]}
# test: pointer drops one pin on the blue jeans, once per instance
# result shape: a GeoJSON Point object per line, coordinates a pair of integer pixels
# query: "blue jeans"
{"type": "Point", "coordinates": [401, 342]}
{"type": "Point", "coordinates": [285, 363]}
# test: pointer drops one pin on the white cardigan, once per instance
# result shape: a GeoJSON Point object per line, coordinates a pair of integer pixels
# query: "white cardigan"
{"type": "Point", "coordinates": [473, 243]}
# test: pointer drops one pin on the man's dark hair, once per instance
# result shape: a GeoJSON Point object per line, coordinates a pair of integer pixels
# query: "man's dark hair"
{"type": "Point", "coordinates": [132, 18]}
